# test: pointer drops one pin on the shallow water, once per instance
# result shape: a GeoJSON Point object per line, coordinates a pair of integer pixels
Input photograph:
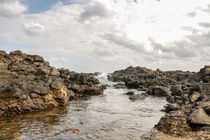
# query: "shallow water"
{"type": "Point", "coordinates": [111, 116]}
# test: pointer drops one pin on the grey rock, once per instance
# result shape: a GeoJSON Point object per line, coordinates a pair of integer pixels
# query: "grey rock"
{"type": "Point", "coordinates": [56, 84]}
{"type": "Point", "coordinates": [170, 99]}
{"type": "Point", "coordinates": [38, 58]}
{"type": "Point", "coordinates": [176, 89]}
{"type": "Point", "coordinates": [159, 91]}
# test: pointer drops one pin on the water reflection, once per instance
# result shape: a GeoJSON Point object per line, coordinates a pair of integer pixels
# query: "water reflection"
{"type": "Point", "coordinates": [110, 116]}
{"type": "Point", "coordinates": [31, 124]}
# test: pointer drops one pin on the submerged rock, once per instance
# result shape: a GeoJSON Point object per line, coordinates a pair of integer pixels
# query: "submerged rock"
{"type": "Point", "coordinates": [187, 91]}
{"type": "Point", "coordinates": [130, 93]}
{"type": "Point", "coordinates": [138, 96]}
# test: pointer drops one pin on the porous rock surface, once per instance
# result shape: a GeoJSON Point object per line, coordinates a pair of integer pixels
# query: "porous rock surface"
{"type": "Point", "coordinates": [188, 94]}
{"type": "Point", "coordinates": [30, 84]}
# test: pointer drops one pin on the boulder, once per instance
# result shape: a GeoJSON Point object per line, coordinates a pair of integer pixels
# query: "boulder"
{"type": "Point", "coordinates": [159, 91]}
{"type": "Point", "coordinates": [199, 116]}
{"type": "Point", "coordinates": [174, 123]}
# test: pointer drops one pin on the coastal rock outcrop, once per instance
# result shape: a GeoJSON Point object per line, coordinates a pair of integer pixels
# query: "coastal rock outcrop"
{"type": "Point", "coordinates": [188, 93]}
{"type": "Point", "coordinates": [28, 84]}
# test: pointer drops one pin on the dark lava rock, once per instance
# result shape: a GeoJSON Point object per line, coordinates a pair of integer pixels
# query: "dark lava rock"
{"type": "Point", "coordinates": [188, 91]}
{"type": "Point", "coordinates": [30, 84]}
{"type": "Point", "coordinates": [130, 93]}
{"type": "Point", "coordinates": [159, 91]}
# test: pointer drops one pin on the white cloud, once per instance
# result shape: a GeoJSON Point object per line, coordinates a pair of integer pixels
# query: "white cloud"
{"type": "Point", "coordinates": [95, 9]}
{"type": "Point", "coordinates": [33, 28]}
{"type": "Point", "coordinates": [12, 8]}
{"type": "Point", "coordinates": [105, 35]}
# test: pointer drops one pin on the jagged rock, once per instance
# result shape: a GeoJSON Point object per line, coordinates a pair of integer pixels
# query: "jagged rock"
{"type": "Point", "coordinates": [199, 116]}
{"type": "Point", "coordinates": [206, 107]}
{"type": "Point", "coordinates": [56, 85]}
{"type": "Point", "coordinates": [54, 72]}
{"type": "Point", "coordinates": [179, 87]}
{"type": "Point", "coordinates": [41, 89]}
{"type": "Point", "coordinates": [174, 123]}
{"type": "Point", "coordinates": [43, 71]}
{"type": "Point", "coordinates": [205, 70]}
{"type": "Point", "coordinates": [170, 99]}
{"type": "Point", "coordinates": [195, 96]}
{"type": "Point", "coordinates": [159, 91]}
{"type": "Point", "coordinates": [30, 84]}
{"type": "Point", "coordinates": [38, 58]}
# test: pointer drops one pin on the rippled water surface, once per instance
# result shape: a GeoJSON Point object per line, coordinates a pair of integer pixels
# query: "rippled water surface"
{"type": "Point", "coordinates": [111, 116]}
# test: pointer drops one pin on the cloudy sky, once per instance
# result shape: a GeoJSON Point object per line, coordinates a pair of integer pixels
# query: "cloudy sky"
{"type": "Point", "coordinates": [106, 35]}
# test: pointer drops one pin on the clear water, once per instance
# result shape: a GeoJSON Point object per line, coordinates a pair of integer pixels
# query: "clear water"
{"type": "Point", "coordinates": [111, 116]}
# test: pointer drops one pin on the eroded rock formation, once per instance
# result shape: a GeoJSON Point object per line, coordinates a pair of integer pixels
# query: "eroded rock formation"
{"type": "Point", "coordinates": [30, 84]}
{"type": "Point", "coordinates": [188, 93]}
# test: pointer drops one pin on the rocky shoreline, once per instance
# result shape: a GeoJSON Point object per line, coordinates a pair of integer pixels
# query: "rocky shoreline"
{"type": "Point", "coordinates": [188, 93]}
{"type": "Point", "coordinates": [29, 84]}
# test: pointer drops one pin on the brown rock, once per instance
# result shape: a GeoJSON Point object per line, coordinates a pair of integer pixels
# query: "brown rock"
{"type": "Point", "coordinates": [159, 91]}
{"type": "Point", "coordinates": [199, 116]}
{"type": "Point", "coordinates": [195, 96]}
{"type": "Point", "coordinates": [174, 123]}
{"type": "Point", "coordinates": [54, 72]}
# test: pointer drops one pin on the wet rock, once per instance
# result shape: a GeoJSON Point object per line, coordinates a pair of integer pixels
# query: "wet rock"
{"type": "Point", "coordinates": [118, 86]}
{"type": "Point", "coordinates": [138, 96]}
{"type": "Point", "coordinates": [159, 91]}
{"type": "Point", "coordinates": [174, 123]}
{"type": "Point", "coordinates": [170, 99]}
{"type": "Point", "coordinates": [171, 107]}
{"type": "Point", "coordinates": [129, 93]}
{"type": "Point", "coordinates": [199, 116]}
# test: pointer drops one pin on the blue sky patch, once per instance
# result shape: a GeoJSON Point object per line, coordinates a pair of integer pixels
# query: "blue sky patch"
{"type": "Point", "coordinates": [38, 6]}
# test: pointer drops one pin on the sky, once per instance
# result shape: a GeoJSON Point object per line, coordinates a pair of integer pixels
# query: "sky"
{"type": "Point", "coordinates": [108, 35]}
